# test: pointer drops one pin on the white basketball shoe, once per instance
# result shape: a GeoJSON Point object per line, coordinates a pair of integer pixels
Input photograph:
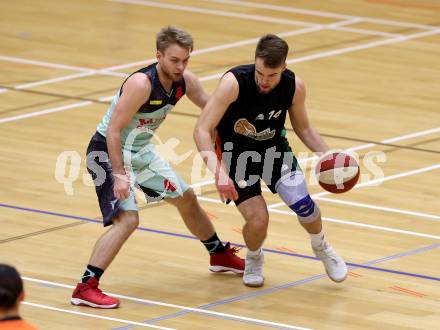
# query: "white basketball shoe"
{"type": "Point", "coordinates": [253, 272]}
{"type": "Point", "coordinates": [334, 265]}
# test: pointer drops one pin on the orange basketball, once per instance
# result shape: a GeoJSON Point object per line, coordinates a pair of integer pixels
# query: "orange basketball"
{"type": "Point", "coordinates": [337, 172]}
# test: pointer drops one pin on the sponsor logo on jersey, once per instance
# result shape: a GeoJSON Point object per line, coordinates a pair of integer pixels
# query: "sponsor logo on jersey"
{"type": "Point", "coordinates": [169, 186]}
{"type": "Point", "coordinates": [152, 122]}
{"type": "Point", "coordinates": [244, 127]}
{"type": "Point", "coordinates": [179, 93]}
{"type": "Point", "coordinates": [155, 102]}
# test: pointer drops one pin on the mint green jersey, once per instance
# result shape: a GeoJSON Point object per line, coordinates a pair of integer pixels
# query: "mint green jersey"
{"type": "Point", "coordinates": [151, 114]}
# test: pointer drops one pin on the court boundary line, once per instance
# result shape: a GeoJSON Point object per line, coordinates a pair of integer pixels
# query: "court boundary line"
{"type": "Point", "coordinates": [367, 183]}
{"type": "Point", "coordinates": [42, 232]}
{"type": "Point", "coordinates": [44, 64]}
{"type": "Point", "coordinates": [45, 111]}
{"type": "Point", "coordinates": [215, 12]}
{"type": "Point", "coordinates": [373, 207]}
{"type": "Point", "coordinates": [372, 182]}
{"type": "Point", "coordinates": [280, 8]}
{"type": "Point", "coordinates": [367, 45]}
{"type": "Point", "coordinates": [169, 305]}
{"type": "Point", "coordinates": [60, 79]}
{"type": "Point", "coordinates": [186, 236]}
{"type": "Point", "coordinates": [318, 13]}
{"type": "Point", "coordinates": [339, 221]}
{"type": "Point", "coordinates": [313, 26]}
{"type": "Point", "coordinates": [384, 143]}
{"type": "Point", "coordinates": [107, 318]}
{"type": "Point", "coordinates": [318, 55]}
{"type": "Point", "coordinates": [242, 297]}
{"type": "Point", "coordinates": [380, 208]}
{"type": "Point", "coordinates": [54, 78]}
{"type": "Point", "coordinates": [293, 284]}
{"type": "Point", "coordinates": [111, 70]}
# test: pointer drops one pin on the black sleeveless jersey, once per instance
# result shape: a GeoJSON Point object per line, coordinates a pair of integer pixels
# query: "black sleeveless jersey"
{"type": "Point", "coordinates": [159, 97]}
{"type": "Point", "coordinates": [255, 121]}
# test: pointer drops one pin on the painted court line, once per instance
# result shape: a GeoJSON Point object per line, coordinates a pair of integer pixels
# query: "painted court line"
{"type": "Point", "coordinates": [380, 208]}
{"type": "Point", "coordinates": [266, 291]}
{"type": "Point", "coordinates": [382, 228]}
{"type": "Point", "coordinates": [320, 13]}
{"type": "Point", "coordinates": [373, 207]}
{"type": "Point", "coordinates": [253, 294]}
{"type": "Point", "coordinates": [294, 60]}
{"type": "Point", "coordinates": [108, 71]}
{"type": "Point", "coordinates": [396, 176]}
{"type": "Point", "coordinates": [44, 64]}
{"type": "Point", "coordinates": [54, 80]}
{"type": "Point", "coordinates": [284, 9]}
{"type": "Point", "coordinates": [218, 75]}
{"type": "Point", "coordinates": [56, 309]}
{"type": "Point", "coordinates": [373, 182]}
{"type": "Point", "coordinates": [345, 222]}
{"type": "Point", "coordinates": [398, 138]}
{"type": "Point", "coordinates": [44, 112]}
{"type": "Point", "coordinates": [235, 44]}
{"type": "Point", "coordinates": [357, 148]}
{"type": "Point", "coordinates": [336, 26]}
{"type": "Point", "coordinates": [69, 77]}
{"type": "Point", "coordinates": [159, 303]}
{"type": "Point", "coordinates": [362, 31]}
{"type": "Point", "coordinates": [363, 46]}
{"type": "Point", "coordinates": [223, 13]}
{"type": "Point", "coordinates": [161, 232]}
{"type": "Point", "coordinates": [412, 135]}
{"type": "Point", "coordinates": [83, 70]}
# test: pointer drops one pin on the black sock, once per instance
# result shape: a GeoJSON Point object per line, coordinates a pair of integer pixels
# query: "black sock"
{"type": "Point", "coordinates": [92, 271]}
{"type": "Point", "coordinates": [213, 244]}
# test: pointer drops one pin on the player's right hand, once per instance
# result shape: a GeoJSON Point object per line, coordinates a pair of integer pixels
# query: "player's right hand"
{"type": "Point", "coordinates": [225, 187]}
{"type": "Point", "coordinates": [121, 187]}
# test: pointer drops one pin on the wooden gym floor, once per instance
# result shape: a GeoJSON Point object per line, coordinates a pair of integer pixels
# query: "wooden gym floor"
{"type": "Point", "coordinates": [371, 68]}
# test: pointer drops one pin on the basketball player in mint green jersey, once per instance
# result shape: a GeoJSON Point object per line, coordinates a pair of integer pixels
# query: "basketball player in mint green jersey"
{"type": "Point", "coordinates": [121, 154]}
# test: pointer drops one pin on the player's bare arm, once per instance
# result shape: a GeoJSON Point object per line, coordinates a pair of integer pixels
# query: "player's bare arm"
{"type": "Point", "coordinates": [300, 121]}
{"type": "Point", "coordinates": [194, 89]}
{"type": "Point", "coordinates": [136, 91]}
{"type": "Point", "coordinates": [223, 96]}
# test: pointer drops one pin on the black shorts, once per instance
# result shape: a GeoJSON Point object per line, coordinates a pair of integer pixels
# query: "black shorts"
{"type": "Point", "coordinates": [99, 167]}
{"type": "Point", "coordinates": [248, 168]}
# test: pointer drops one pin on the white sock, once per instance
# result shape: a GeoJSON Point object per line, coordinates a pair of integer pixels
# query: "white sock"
{"type": "Point", "coordinates": [317, 239]}
{"type": "Point", "coordinates": [255, 253]}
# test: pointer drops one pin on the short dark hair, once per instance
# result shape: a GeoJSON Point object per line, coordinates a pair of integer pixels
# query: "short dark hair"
{"type": "Point", "coordinates": [11, 285]}
{"type": "Point", "coordinates": [272, 49]}
{"type": "Point", "coordinates": [171, 35]}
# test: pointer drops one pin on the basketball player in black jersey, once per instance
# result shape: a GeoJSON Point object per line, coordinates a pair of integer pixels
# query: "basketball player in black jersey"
{"type": "Point", "coordinates": [248, 110]}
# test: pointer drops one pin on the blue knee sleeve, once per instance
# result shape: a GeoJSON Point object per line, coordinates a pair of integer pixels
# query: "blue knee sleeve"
{"type": "Point", "coordinates": [306, 209]}
{"type": "Point", "coordinates": [293, 191]}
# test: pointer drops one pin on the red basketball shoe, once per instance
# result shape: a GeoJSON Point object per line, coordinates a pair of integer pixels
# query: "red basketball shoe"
{"type": "Point", "coordinates": [88, 294]}
{"type": "Point", "coordinates": [227, 261]}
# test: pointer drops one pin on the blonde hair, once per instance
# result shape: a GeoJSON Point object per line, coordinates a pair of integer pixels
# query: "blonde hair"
{"type": "Point", "coordinates": [171, 35]}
